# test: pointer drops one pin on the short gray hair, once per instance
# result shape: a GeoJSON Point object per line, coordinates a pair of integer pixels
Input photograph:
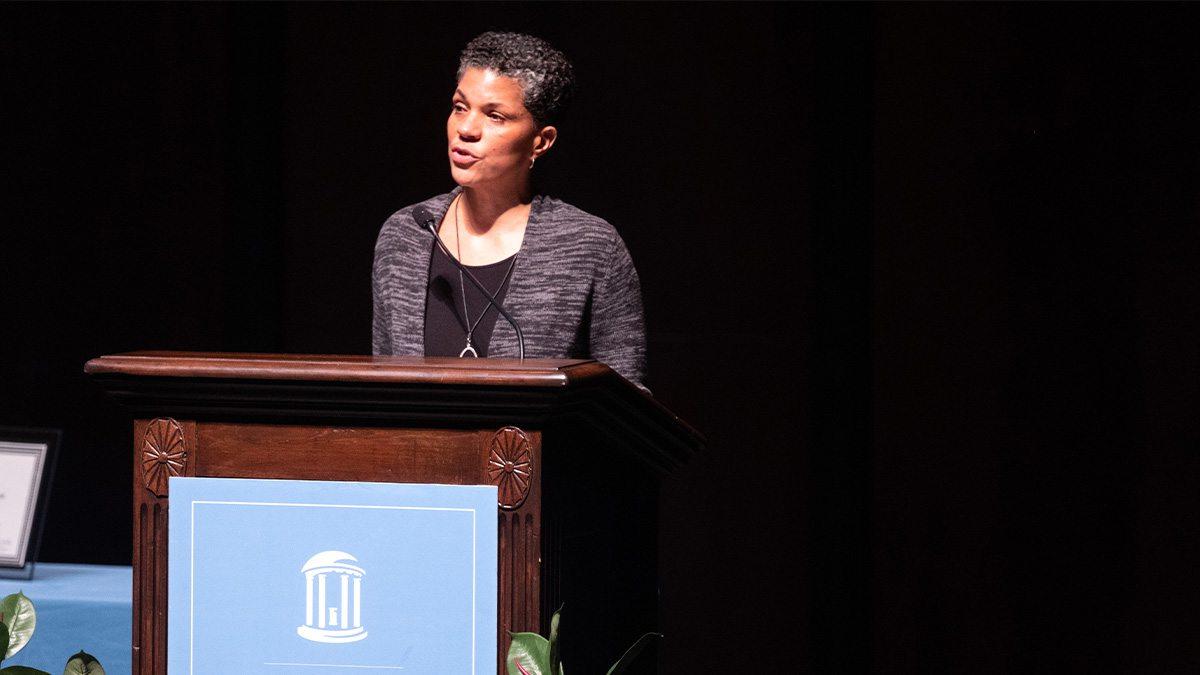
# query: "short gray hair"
{"type": "Point", "coordinates": [546, 77]}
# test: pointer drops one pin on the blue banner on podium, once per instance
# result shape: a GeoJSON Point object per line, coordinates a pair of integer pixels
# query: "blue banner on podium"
{"type": "Point", "coordinates": [281, 576]}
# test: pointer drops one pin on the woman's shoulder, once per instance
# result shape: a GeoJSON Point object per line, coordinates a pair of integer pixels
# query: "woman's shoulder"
{"type": "Point", "coordinates": [403, 217]}
{"type": "Point", "coordinates": [400, 226]}
{"type": "Point", "coordinates": [569, 222]}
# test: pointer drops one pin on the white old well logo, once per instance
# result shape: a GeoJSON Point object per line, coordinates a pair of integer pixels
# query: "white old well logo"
{"type": "Point", "coordinates": [339, 621]}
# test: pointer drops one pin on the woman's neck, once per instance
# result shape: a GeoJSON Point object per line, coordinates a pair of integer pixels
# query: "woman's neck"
{"type": "Point", "coordinates": [484, 210]}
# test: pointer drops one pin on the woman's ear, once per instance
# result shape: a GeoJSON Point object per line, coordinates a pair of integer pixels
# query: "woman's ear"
{"type": "Point", "coordinates": [544, 139]}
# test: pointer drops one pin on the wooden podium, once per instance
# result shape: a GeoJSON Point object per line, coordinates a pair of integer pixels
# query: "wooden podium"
{"type": "Point", "coordinates": [576, 451]}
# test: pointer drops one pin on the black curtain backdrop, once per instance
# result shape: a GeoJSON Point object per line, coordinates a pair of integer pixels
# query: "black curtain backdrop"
{"type": "Point", "coordinates": [923, 274]}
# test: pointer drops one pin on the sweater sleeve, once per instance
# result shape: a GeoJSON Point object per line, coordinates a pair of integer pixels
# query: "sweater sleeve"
{"type": "Point", "coordinates": [381, 338]}
{"type": "Point", "coordinates": [617, 334]}
{"type": "Point", "coordinates": [380, 341]}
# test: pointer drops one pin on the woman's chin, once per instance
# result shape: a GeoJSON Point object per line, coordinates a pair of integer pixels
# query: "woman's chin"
{"type": "Point", "coordinates": [466, 177]}
{"type": "Point", "coordinates": [463, 176]}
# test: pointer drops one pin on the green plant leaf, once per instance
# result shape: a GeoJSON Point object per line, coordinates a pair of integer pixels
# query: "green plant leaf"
{"type": "Point", "coordinates": [83, 663]}
{"type": "Point", "coordinates": [3, 640]}
{"type": "Point", "coordinates": [631, 653]}
{"type": "Point", "coordinates": [555, 654]}
{"type": "Point", "coordinates": [19, 617]}
{"type": "Point", "coordinates": [21, 670]}
{"type": "Point", "coordinates": [529, 654]}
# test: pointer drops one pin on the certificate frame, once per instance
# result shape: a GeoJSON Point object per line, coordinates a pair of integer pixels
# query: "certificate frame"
{"type": "Point", "coordinates": [30, 512]}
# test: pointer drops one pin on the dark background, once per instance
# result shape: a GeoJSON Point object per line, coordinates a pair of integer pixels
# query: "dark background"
{"type": "Point", "coordinates": [923, 274]}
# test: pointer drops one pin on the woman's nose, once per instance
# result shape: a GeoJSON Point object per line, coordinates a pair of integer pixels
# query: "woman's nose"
{"type": "Point", "coordinates": [468, 128]}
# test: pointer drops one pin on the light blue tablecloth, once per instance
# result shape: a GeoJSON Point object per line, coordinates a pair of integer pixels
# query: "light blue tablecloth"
{"type": "Point", "coordinates": [79, 607]}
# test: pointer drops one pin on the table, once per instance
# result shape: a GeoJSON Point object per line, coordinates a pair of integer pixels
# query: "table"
{"type": "Point", "coordinates": [86, 607]}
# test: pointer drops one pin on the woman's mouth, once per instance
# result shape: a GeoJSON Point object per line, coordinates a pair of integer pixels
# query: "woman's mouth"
{"type": "Point", "coordinates": [461, 157]}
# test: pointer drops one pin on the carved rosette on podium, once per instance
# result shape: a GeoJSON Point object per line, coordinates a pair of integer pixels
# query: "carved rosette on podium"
{"type": "Point", "coordinates": [510, 466]}
{"type": "Point", "coordinates": [576, 453]}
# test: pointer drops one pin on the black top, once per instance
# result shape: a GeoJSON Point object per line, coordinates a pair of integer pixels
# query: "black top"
{"type": "Point", "coordinates": [445, 327]}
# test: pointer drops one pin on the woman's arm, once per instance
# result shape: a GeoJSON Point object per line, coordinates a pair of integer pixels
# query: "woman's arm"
{"type": "Point", "coordinates": [617, 335]}
{"type": "Point", "coordinates": [381, 342]}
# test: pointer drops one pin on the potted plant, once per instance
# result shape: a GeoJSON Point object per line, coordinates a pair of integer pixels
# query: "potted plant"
{"type": "Point", "coordinates": [532, 654]}
{"type": "Point", "coordinates": [17, 621]}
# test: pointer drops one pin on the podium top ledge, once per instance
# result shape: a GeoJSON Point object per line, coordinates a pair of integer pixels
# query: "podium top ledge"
{"type": "Point", "coordinates": [413, 390]}
{"type": "Point", "coordinates": [324, 367]}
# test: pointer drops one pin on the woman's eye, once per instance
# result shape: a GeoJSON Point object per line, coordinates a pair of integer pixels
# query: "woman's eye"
{"type": "Point", "coordinates": [497, 116]}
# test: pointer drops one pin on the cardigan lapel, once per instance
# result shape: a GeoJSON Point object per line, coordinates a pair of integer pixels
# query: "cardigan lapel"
{"type": "Point", "coordinates": [518, 300]}
{"type": "Point", "coordinates": [415, 263]}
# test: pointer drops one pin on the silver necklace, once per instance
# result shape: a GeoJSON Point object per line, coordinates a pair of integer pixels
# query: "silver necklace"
{"type": "Point", "coordinates": [468, 325]}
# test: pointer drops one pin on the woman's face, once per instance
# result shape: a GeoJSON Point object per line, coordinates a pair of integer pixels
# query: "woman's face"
{"type": "Point", "coordinates": [491, 136]}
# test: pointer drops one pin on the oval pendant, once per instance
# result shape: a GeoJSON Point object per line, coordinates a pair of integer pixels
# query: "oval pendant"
{"type": "Point", "coordinates": [468, 348]}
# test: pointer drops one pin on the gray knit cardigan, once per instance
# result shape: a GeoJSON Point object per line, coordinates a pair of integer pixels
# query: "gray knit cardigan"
{"type": "Point", "coordinates": [574, 289]}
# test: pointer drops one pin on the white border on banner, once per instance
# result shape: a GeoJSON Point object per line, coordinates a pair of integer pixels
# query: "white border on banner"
{"type": "Point", "coordinates": [192, 566]}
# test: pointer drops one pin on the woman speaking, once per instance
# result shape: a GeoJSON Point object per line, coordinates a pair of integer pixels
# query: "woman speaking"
{"type": "Point", "coordinates": [563, 274]}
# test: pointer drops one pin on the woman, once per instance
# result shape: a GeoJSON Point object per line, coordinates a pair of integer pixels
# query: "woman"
{"type": "Point", "coordinates": [564, 274]}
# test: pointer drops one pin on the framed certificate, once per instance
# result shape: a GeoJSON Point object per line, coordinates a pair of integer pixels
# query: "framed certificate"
{"type": "Point", "coordinates": [26, 468]}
